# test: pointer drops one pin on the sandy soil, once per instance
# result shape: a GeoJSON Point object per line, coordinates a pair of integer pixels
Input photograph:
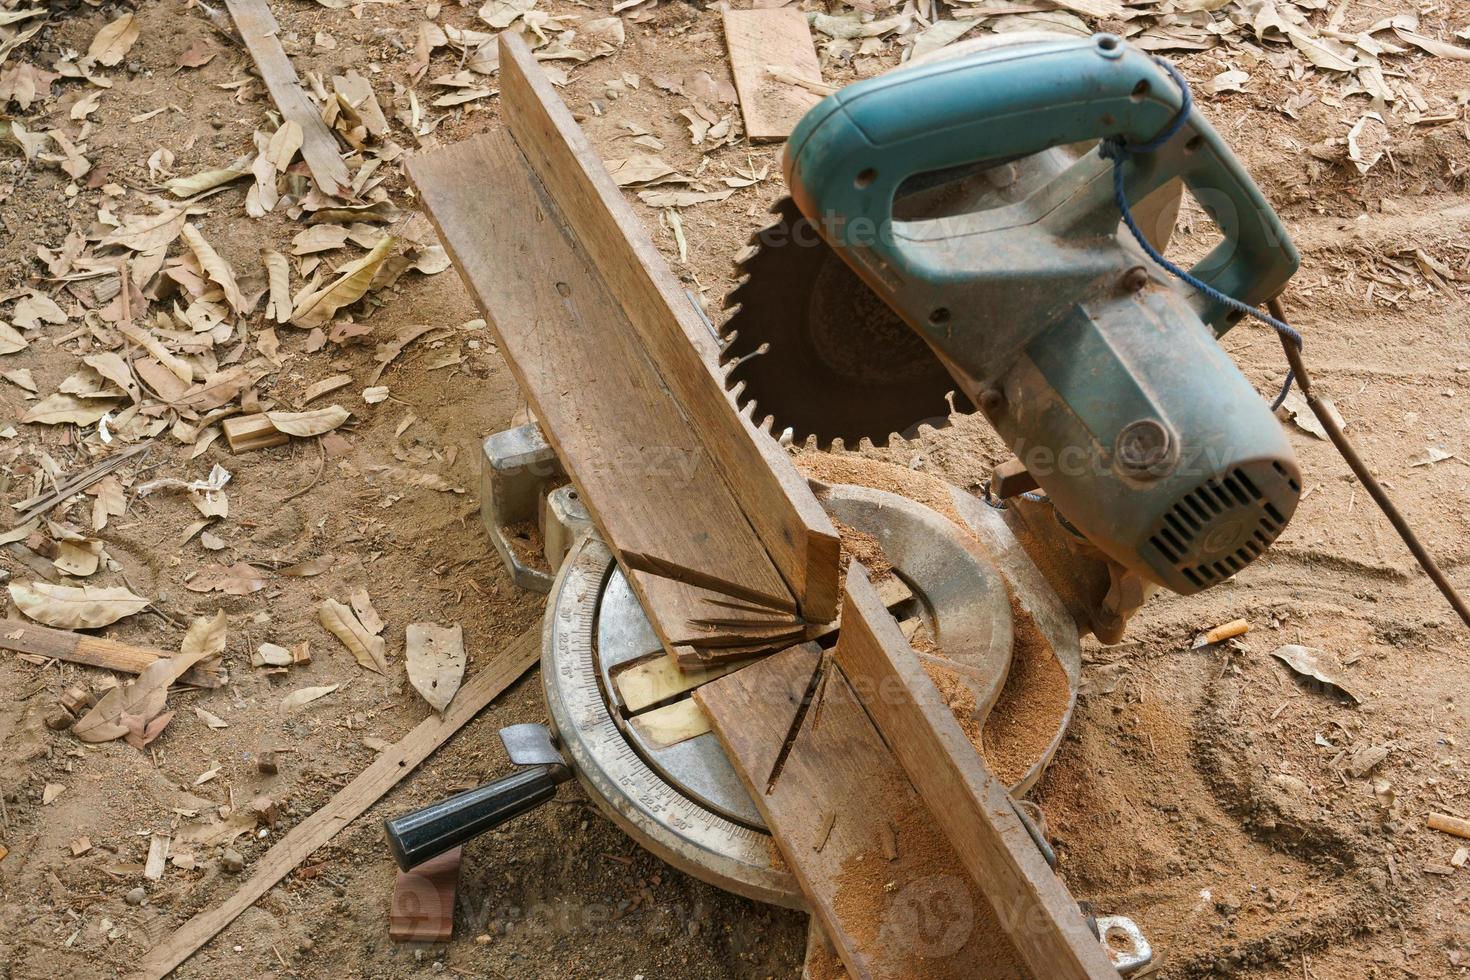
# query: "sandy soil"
{"type": "Point", "coordinates": [1205, 793]}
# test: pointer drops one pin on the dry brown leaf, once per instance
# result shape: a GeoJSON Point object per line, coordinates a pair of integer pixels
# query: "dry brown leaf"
{"type": "Point", "coordinates": [284, 144]}
{"type": "Point", "coordinates": [67, 607]}
{"type": "Point", "coordinates": [61, 409]}
{"type": "Point", "coordinates": [216, 268]}
{"type": "Point", "coordinates": [435, 660]}
{"type": "Point", "coordinates": [312, 423]}
{"type": "Point", "coordinates": [278, 271]}
{"type": "Point", "coordinates": [133, 709]}
{"type": "Point", "coordinates": [362, 605]}
{"type": "Point", "coordinates": [341, 622]}
{"type": "Point", "coordinates": [240, 578]}
{"type": "Point", "coordinates": [317, 308]}
{"type": "Point", "coordinates": [210, 719]}
{"type": "Point", "coordinates": [299, 699]}
{"type": "Point", "coordinates": [113, 41]}
{"type": "Point", "coordinates": [207, 180]}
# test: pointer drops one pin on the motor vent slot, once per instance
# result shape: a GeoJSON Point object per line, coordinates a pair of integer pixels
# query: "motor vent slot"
{"type": "Point", "coordinates": [1225, 523]}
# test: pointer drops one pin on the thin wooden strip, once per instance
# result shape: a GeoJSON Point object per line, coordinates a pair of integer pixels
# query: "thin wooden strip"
{"type": "Point", "coordinates": [391, 765]}
{"type": "Point", "coordinates": [773, 496]}
{"type": "Point", "coordinates": [258, 29]}
{"type": "Point", "coordinates": [659, 679]}
{"type": "Point", "coordinates": [761, 40]}
{"type": "Point", "coordinates": [968, 803]}
{"type": "Point", "coordinates": [94, 651]}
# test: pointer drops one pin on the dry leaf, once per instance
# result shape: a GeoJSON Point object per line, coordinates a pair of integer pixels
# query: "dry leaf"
{"type": "Point", "coordinates": [362, 605]}
{"type": "Point", "coordinates": [297, 699]}
{"type": "Point", "coordinates": [278, 271]}
{"type": "Point", "coordinates": [216, 268]}
{"type": "Point", "coordinates": [312, 423]}
{"type": "Point", "coordinates": [1317, 664]}
{"type": "Point", "coordinates": [12, 341]}
{"type": "Point", "coordinates": [284, 144]}
{"type": "Point", "coordinates": [60, 409]}
{"type": "Point", "coordinates": [341, 622]}
{"type": "Point", "coordinates": [435, 659]}
{"type": "Point", "coordinates": [309, 568]}
{"type": "Point", "coordinates": [637, 169]}
{"type": "Point", "coordinates": [51, 792]}
{"type": "Point", "coordinates": [66, 607]}
{"type": "Point", "coordinates": [317, 308]}
{"type": "Point", "coordinates": [241, 578]}
{"type": "Point", "coordinates": [212, 720]}
{"type": "Point", "coordinates": [114, 41]}
{"type": "Point", "coordinates": [208, 180]}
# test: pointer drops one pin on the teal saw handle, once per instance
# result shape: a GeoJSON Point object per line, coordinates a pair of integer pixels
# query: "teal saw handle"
{"type": "Point", "coordinates": [848, 157]}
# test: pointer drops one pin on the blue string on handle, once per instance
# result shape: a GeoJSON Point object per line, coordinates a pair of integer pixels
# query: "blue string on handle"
{"type": "Point", "coordinates": [1115, 149]}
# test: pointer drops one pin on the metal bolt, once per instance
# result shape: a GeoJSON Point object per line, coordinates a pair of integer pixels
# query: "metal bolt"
{"type": "Point", "coordinates": [1135, 279]}
{"type": "Point", "coordinates": [992, 399]}
{"type": "Point", "coordinates": [1144, 448]}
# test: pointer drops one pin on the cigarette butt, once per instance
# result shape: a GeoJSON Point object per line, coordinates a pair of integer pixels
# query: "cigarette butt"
{"type": "Point", "coordinates": [1226, 631]}
{"type": "Point", "coordinates": [1449, 825]}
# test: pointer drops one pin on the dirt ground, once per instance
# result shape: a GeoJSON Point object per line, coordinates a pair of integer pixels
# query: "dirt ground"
{"type": "Point", "coordinates": [1208, 794]}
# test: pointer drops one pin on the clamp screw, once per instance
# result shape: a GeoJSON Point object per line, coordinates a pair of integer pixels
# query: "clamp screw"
{"type": "Point", "coordinates": [1135, 279]}
{"type": "Point", "coordinates": [1145, 449]}
{"type": "Point", "coordinates": [992, 399]}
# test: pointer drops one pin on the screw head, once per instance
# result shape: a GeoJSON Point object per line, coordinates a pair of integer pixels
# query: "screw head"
{"type": "Point", "coordinates": [1135, 279]}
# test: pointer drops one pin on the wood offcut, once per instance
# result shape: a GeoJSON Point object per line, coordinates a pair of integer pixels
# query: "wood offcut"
{"type": "Point", "coordinates": [777, 75]}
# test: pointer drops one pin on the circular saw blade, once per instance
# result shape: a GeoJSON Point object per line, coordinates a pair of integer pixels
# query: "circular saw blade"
{"type": "Point", "coordinates": [812, 348]}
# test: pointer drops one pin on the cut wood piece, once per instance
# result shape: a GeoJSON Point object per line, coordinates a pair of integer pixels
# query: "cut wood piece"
{"type": "Point", "coordinates": [696, 657]}
{"type": "Point", "coordinates": [867, 903]}
{"type": "Point", "coordinates": [249, 432]}
{"type": "Point", "coordinates": [391, 765]}
{"type": "Point", "coordinates": [423, 900]}
{"type": "Point", "coordinates": [772, 55]}
{"type": "Point", "coordinates": [672, 724]}
{"type": "Point", "coordinates": [968, 803]}
{"type": "Point", "coordinates": [96, 651]}
{"type": "Point", "coordinates": [659, 679]}
{"type": "Point", "coordinates": [258, 29]}
{"type": "Point", "coordinates": [773, 496]}
{"type": "Point", "coordinates": [647, 481]}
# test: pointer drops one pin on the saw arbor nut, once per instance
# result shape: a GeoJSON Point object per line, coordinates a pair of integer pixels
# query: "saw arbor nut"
{"type": "Point", "coordinates": [1145, 449]}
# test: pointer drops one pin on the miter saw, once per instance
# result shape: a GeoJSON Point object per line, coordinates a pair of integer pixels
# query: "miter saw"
{"type": "Point", "coordinates": [953, 243]}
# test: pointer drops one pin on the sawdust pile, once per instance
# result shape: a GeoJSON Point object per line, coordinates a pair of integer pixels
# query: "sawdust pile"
{"type": "Point", "coordinates": [864, 548]}
{"type": "Point", "coordinates": [1029, 712]}
{"type": "Point", "coordinates": [922, 488]}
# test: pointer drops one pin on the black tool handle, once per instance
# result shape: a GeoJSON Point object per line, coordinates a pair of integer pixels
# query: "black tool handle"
{"type": "Point", "coordinates": [416, 837]}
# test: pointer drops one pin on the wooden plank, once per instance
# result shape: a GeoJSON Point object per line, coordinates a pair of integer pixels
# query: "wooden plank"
{"type": "Point", "coordinates": [878, 874]}
{"type": "Point", "coordinates": [776, 38]}
{"type": "Point", "coordinates": [258, 29]}
{"type": "Point", "coordinates": [94, 651]}
{"type": "Point", "coordinates": [772, 494]}
{"type": "Point", "coordinates": [649, 485]}
{"type": "Point", "coordinates": [968, 803]}
{"type": "Point", "coordinates": [391, 765]}
{"type": "Point", "coordinates": [422, 909]}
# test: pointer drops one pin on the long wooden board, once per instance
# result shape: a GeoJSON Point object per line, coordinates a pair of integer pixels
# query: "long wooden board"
{"type": "Point", "coordinates": [762, 39]}
{"type": "Point", "coordinates": [391, 765]}
{"type": "Point", "coordinates": [258, 29]}
{"type": "Point", "coordinates": [875, 868]}
{"type": "Point", "coordinates": [774, 497]}
{"type": "Point", "coordinates": [968, 803]}
{"type": "Point", "coordinates": [649, 484]}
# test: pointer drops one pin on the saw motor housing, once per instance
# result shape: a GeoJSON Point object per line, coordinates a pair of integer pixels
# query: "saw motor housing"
{"type": "Point", "coordinates": [1102, 374]}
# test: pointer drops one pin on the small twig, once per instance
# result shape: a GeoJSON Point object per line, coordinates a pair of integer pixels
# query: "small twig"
{"type": "Point", "coordinates": [320, 469]}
